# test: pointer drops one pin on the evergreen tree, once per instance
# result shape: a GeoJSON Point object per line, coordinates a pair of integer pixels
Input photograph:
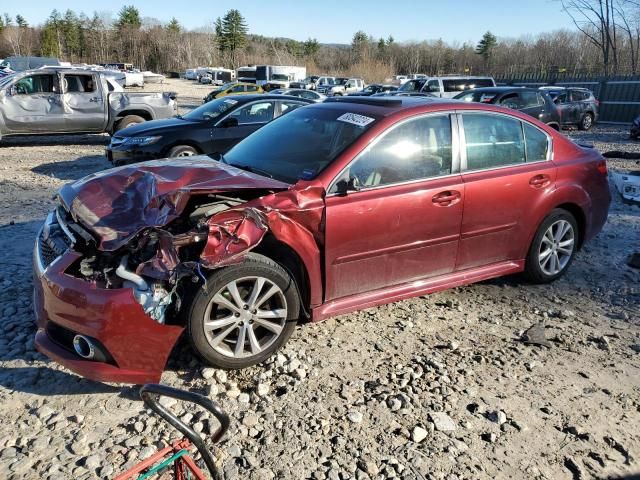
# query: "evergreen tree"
{"type": "Point", "coordinates": [174, 26]}
{"type": "Point", "coordinates": [359, 44]}
{"type": "Point", "coordinates": [233, 33]}
{"type": "Point", "coordinates": [486, 45]}
{"type": "Point", "coordinates": [51, 36]}
{"type": "Point", "coordinates": [129, 16]}
{"type": "Point", "coordinates": [311, 47]}
{"type": "Point", "coordinates": [21, 22]}
{"type": "Point", "coordinates": [72, 32]}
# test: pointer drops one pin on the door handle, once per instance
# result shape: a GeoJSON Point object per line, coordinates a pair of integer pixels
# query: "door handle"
{"type": "Point", "coordinates": [540, 181]}
{"type": "Point", "coordinates": [446, 198]}
{"type": "Point", "coordinates": [95, 99]}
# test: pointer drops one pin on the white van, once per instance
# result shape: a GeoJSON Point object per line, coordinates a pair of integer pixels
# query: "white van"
{"type": "Point", "coordinates": [447, 87]}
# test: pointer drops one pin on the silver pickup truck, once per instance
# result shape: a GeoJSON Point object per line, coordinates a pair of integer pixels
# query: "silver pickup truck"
{"type": "Point", "coordinates": [67, 100]}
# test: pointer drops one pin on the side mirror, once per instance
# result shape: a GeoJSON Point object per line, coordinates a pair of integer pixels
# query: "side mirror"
{"type": "Point", "coordinates": [13, 90]}
{"type": "Point", "coordinates": [229, 122]}
{"type": "Point", "coordinates": [344, 186]}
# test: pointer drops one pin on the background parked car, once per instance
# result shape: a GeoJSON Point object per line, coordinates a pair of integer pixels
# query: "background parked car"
{"type": "Point", "coordinates": [299, 92]}
{"type": "Point", "coordinates": [68, 100]}
{"type": "Point", "coordinates": [373, 89]}
{"type": "Point", "coordinates": [233, 88]}
{"type": "Point", "coordinates": [308, 83]}
{"type": "Point", "coordinates": [446, 87]}
{"type": "Point", "coordinates": [342, 86]}
{"type": "Point", "coordinates": [577, 106]}
{"type": "Point", "coordinates": [531, 101]}
{"type": "Point", "coordinates": [213, 127]}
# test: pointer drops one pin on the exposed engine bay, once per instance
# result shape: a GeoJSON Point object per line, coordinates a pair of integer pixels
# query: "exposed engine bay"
{"type": "Point", "coordinates": [155, 262]}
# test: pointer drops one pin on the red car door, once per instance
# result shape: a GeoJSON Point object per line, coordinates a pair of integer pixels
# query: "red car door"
{"type": "Point", "coordinates": [403, 223]}
{"type": "Point", "coordinates": [507, 173]}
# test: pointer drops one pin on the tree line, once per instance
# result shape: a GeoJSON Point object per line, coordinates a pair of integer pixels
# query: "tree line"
{"type": "Point", "coordinates": [606, 40]}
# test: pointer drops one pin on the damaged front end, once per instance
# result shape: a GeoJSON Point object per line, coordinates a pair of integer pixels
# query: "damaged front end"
{"type": "Point", "coordinates": [117, 259]}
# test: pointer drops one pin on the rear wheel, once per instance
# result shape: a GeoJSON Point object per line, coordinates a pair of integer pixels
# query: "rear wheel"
{"type": "Point", "coordinates": [244, 313]}
{"type": "Point", "coordinates": [128, 121]}
{"type": "Point", "coordinates": [586, 122]}
{"type": "Point", "coordinates": [553, 247]}
{"type": "Point", "coordinates": [183, 151]}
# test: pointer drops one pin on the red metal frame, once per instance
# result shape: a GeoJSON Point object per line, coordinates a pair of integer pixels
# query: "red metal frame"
{"type": "Point", "coordinates": [181, 466]}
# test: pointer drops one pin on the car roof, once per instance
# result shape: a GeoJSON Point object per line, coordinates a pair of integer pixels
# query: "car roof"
{"type": "Point", "coordinates": [504, 89]}
{"type": "Point", "coordinates": [381, 106]}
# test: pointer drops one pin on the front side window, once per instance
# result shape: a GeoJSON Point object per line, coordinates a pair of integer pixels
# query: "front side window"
{"type": "Point", "coordinates": [252, 88]}
{"type": "Point", "coordinates": [412, 86]}
{"type": "Point", "coordinates": [35, 84]}
{"type": "Point", "coordinates": [414, 150]}
{"type": "Point", "coordinates": [254, 113]}
{"type": "Point", "coordinates": [492, 141]}
{"type": "Point", "coordinates": [238, 89]}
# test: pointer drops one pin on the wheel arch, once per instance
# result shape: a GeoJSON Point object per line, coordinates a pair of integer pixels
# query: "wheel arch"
{"type": "Point", "coordinates": [141, 112]}
{"type": "Point", "coordinates": [578, 213]}
{"type": "Point", "coordinates": [288, 258]}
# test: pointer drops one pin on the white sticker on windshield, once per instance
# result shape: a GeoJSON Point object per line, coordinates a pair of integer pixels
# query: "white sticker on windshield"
{"type": "Point", "coordinates": [230, 101]}
{"type": "Point", "coordinates": [354, 118]}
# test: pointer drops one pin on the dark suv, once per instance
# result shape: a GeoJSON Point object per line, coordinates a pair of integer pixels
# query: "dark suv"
{"type": "Point", "coordinates": [577, 106]}
{"type": "Point", "coordinates": [531, 101]}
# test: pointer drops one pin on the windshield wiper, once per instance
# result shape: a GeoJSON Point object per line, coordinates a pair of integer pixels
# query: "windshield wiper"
{"type": "Point", "coordinates": [251, 169]}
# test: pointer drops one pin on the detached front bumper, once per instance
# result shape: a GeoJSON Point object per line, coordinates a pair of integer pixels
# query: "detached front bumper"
{"type": "Point", "coordinates": [124, 155]}
{"type": "Point", "coordinates": [136, 347]}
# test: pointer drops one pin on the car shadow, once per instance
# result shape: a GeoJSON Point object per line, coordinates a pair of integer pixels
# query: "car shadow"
{"type": "Point", "coordinates": [73, 169]}
{"type": "Point", "coordinates": [45, 381]}
{"type": "Point", "coordinates": [56, 140]}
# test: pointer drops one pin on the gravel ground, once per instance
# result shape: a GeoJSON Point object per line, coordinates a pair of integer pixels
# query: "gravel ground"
{"type": "Point", "coordinates": [433, 387]}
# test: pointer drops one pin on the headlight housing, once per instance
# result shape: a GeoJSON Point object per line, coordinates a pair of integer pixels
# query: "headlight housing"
{"type": "Point", "coordinates": [141, 141]}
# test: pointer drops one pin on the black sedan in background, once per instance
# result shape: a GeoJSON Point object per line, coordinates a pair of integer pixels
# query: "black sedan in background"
{"type": "Point", "coordinates": [531, 101]}
{"type": "Point", "coordinates": [373, 89]}
{"type": "Point", "coordinates": [213, 127]}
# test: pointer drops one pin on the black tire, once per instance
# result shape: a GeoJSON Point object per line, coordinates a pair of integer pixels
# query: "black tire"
{"type": "Point", "coordinates": [127, 121]}
{"type": "Point", "coordinates": [255, 265]}
{"type": "Point", "coordinates": [533, 269]}
{"type": "Point", "coordinates": [183, 151]}
{"type": "Point", "coordinates": [586, 122]}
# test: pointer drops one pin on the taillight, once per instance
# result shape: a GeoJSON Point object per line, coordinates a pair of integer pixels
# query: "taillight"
{"type": "Point", "coordinates": [602, 167]}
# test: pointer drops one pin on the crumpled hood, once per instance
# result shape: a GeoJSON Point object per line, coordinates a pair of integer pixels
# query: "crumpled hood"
{"type": "Point", "coordinates": [118, 203]}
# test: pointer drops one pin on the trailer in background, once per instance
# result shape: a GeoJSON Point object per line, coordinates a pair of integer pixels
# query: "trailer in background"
{"type": "Point", "coordinates": [270, 77]}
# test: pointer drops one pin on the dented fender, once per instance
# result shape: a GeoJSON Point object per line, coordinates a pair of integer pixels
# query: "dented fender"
{"type": "Point", "coordinates": [293, 217]}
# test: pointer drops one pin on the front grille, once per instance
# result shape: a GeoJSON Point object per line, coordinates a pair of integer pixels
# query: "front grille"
{"type": "Point", "coordinates": [47, 253]}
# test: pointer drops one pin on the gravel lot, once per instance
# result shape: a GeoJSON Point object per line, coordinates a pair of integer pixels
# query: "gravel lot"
{"type": "Point", "coordinates": [434, 387]}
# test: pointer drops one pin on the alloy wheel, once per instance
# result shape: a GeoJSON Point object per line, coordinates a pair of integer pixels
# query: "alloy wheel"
{"type": "Point", "coordinates": [245, 317]}
{"type": "Point", "coordinates": [586, 122]}
{"type": "Point", "coordinates": [556, 247]}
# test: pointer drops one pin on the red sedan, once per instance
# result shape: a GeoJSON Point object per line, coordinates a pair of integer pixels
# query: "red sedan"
{"type": "Point", "coordinates": [334, 207]}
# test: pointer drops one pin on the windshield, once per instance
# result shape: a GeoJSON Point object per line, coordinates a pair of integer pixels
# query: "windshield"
{"type": "Point", "coordinates": [211, 109]}
{"type": "Point", "coordinates": [341, 81]}
{"type": "Point", "coordinates": [5, 80]}
{"type": "Point", "coordinates": [300, 144]}
{"type": "Point", "coordinates": [412, 85]}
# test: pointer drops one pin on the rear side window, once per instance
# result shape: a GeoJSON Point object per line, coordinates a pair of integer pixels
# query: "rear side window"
{"type": "Point", "coordinates": [536, 143]}
{"type": "Point", "coordinates": [530, 99]}
{"type": "Point", "coordinates": [79, 84]}
{"type": "Point", "coordinates": [579, 96]}
{"type": "Point", "coordinates": [417, 149]}
{"type": "Point", "coordinates": [492, 141]}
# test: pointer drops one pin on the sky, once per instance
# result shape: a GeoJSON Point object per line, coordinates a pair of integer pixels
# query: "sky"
{"type": "Point", "coordinates": [335, 21]}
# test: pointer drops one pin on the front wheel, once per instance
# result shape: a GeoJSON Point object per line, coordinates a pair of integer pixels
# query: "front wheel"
{"type": "Point", "coordinates": [128, 121]}
{"type": "Point", "coordinates": [586, 122]}
{"type": "Point", "coordinates": [553, 247]}
{"type": "Point", "coordinates": [182, 151]}
{"type": "Point", "coordinates": [244, 313]}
